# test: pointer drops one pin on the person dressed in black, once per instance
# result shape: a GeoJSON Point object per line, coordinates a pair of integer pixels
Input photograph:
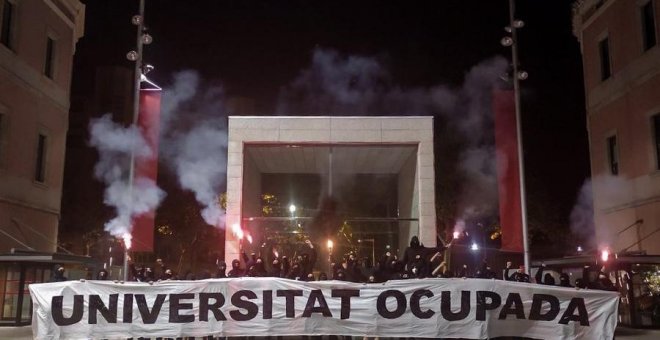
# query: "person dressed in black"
{"type": "Point", "coordinates": [221, 272]}
{"type": "Point", "coordinates": [603, 282]}
{"type": "Point", "coordinates": [58, 274]}
{"type": "Point", "coordinates": [236, 270]}
{"type": "Point", "coordinates": [485, 272]}
{"type": "Point", "coordinates": [102, 275]}
{"type": "Point", "coordinates": [413, 253]}
{"type": "Point", "coordinates": [546, 279]}
{"type": "Point", "coordinates": [260, 268]}
{"type": "Point", "coordinates": [518, 276]}
{"type": "Point", "coordinates": [564, 280]}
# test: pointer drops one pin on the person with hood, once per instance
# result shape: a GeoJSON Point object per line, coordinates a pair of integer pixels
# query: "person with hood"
{"type": "Point", "coordinates": [323, 276]}
{"type": "Point", "coordinates": [547, 278]}
{"type": "Point", "coordinates": [419, 269]}
{"type": "Point", "coordinates": [167, 275]}
{"type": "Point", "coordinates": [603, 282]}
{"type": "Point", "coordinates": [276, 268]}
{"type": "Point", "coordinates": [221, 271]}
{"type": "Point", "coordinates": [236, 270]}
{"type": "Point", "coordinates": [520, 275]}
{"type": "Point", "coordinates": [149, 275]}
{"type": "Point", "coordinates": [564, 280]}
{"type": "Point", "coordinates": [249, 261]}
{"type": "Point", "coordinates": [295, 273]}
{"type": "Point", "coordinates": [102, 275]}
{"type": "Point", "coordinates": [260, 268]}
{"type": "Point", "coordinates": [286, 266]}
{"type": "Point", "coordinates": [412, 253]}
{"type": "Point", "coordinates": [309, 256]}
{"type": "Point", "coordinates": [58, 274]}
{"type": "Point", "coordinates": [485, 272]}
{"type": "Point", "coordinates": [396, 270]}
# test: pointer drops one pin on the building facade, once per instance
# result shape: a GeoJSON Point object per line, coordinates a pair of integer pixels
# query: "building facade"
{"type": "Point", "coordinates": [361, 184]}
{"type": "Point", "coordinates": [621, 59]}
{"type": "Point", "coordinates": [37, 43]}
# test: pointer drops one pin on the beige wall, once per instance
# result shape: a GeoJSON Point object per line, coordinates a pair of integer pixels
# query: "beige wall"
{"type": "Point", "coordinates": [622, 105]}
{"type": "Point", "coordinates": [320, 130]}
{"type": "Point", "coordinates": [33, 104]}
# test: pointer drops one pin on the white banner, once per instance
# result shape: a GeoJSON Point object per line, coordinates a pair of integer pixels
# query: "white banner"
{"type": "Point", "coordinates": [428, 308]}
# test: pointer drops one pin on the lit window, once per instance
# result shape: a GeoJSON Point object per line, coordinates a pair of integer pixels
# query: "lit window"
{"type": "Point", "coordinates": [613, 155]}
{"type": "Point", "coordinates": [604, 52]}
{"type": "Point", "coordinates": [648, 25]}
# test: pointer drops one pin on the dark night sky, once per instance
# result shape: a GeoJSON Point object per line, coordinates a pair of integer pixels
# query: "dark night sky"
{"type": "Point", "coordinates": [256, 47]}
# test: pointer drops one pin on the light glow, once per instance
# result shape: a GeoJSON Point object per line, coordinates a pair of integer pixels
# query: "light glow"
{"type": "Point", "coordinates": [605, 255]}
{"type": "Point", "coordinates": [128, 238]}
{"type": "Point", "coordinates": [249, 238]}
{"type": "Point", "coordinates": [292, 208]}
{"type": "Point", "coordinates": [330, 244]}
{"type": "Point", "coordinates": [456, 235]}
{"type": "Point", "coordinates": [474, 247]}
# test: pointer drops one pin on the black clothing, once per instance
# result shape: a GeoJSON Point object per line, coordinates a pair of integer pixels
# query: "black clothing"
{"type": "Point", "coordinates": [58, 274]}
{"type": "Point", "coordinates": [236, 270]}
{"type": "Point", "coordinates": [564, 280]}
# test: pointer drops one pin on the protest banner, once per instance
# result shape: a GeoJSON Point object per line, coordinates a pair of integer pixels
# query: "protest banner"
{"type": "Point", "coordinates": [427, 308]}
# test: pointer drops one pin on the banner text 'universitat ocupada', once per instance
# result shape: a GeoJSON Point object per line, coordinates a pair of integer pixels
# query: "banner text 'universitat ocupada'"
{"type": "Point", "coordinates": [455, 308]}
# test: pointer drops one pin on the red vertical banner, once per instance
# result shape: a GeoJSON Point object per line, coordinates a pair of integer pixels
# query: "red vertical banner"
{"type": "Point", "coordinates": [508, 174]}
{"type": "Point", "coordinates": [147, 167]}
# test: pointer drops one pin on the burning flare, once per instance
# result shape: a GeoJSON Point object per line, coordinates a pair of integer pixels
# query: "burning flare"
{"type": "Point", "coordinates": [605, 255]}
{"type": "Point", "coordinates": [127, 240]}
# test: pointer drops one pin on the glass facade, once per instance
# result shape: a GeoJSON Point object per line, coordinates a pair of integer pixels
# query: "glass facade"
{"type": "Point", "coordinates": [358, 199]}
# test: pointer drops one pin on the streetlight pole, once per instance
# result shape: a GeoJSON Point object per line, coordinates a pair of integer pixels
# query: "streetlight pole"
{"type": "Point", "coordinates": [514, 25]}
{"type": "Point", "coordinates": [137, 20]}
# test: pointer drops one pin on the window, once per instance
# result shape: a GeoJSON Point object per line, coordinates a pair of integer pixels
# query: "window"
{"type": "Point", "coordinates": [40, 170]}
{"type": "Point", "coordinates": [604, 51]}
{"type": "Point", "coordinates": [613, 155]}
{"type": "Point", "coordinates": [648, 26]}
{"type": "Point", "coordinates": [7, 17]}
{"type": "Point", "coordinates": [656, 137]}
{"type": "Point", "coordinates": [50, 53]}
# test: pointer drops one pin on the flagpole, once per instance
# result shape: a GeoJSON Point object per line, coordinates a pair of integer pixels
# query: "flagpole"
{"type": "Point", "coordinates": [139, 22]}
{"type": "Point", "coordinates": [517, 74]}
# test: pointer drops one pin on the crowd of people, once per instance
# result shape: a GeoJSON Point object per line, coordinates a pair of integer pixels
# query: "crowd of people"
{"type": "Point", "coordinates": [418, 261]}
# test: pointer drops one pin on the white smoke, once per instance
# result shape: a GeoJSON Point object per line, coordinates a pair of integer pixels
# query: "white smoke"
{"type": "Point", "coordinates": [195, 140]}
{"type": "Point", "coordinates": [582, 214]}
{"type": "Point", "coordinates": [114, 144]}
{"type": "Point", "coordinates": [612, 191]}
{"type": "Point", "coordinates": [357, 85]}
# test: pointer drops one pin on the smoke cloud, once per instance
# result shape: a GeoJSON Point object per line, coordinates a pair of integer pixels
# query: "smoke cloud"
{"type": "Point", "coordinates": [357, 85]}
{"type": "Point", "coordinates": [114, 144]}
{"type": "Point", "coordinates": [612, 191]}
{"type": "Point", "coordinates": [195, 140]}
{"type": "Point", "coordinates": [194, 132]}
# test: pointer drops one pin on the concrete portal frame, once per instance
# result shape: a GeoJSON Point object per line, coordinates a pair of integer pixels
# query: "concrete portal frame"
{"type": "Point", "coordinates": [320, 130]}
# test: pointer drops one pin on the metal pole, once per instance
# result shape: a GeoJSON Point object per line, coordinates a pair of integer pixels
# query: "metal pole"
{"type": "Point", "coordinates": [521, 159]}
{"type": "Point", "coordinates": [136, 111]}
